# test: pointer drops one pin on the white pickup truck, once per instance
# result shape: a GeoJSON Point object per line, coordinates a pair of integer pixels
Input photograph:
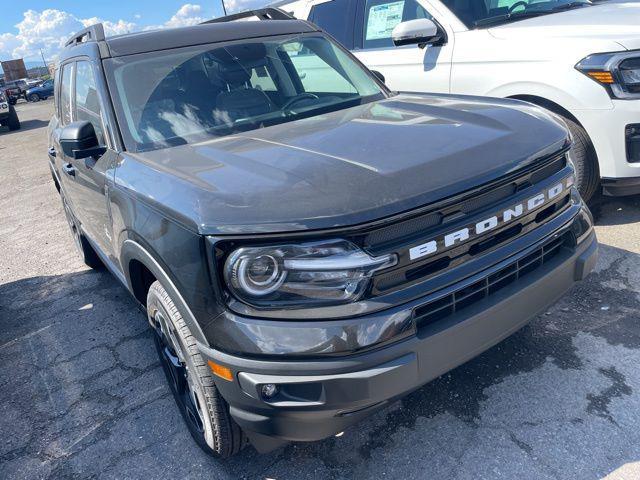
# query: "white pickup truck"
{"type": "Point", "coordinates": [579, 59]}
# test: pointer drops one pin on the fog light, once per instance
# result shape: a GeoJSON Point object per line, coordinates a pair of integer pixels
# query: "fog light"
{"type": "Point", "coordinates": [269, 390]}
{"type": "Point", "coordinates": [632, 134]}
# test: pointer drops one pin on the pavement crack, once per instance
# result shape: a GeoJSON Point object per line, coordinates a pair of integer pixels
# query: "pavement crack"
{"type": "Point", "coordinates": [599, 403]}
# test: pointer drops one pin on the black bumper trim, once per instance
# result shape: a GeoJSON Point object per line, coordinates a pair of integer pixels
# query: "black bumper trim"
{"type": "Point", "coordinates": [394, 371]}
{"type": "Point", "coordinates": [621, 187]}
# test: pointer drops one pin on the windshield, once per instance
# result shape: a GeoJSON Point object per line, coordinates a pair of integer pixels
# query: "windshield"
{"type": "Point", "coordinates": [188, 95]}
{"type": "Point", "coordinates": [484, 13]}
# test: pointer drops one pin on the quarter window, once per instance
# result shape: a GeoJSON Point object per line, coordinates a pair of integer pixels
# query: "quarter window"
{"type": "Point", "coordinates": [382, 16]}
{"type": "Point", "coordinates": [65, 94]}
{"type": "Point", "coordinates": [87, 102]}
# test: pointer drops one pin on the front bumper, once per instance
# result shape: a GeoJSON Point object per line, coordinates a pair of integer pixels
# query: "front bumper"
{"type": "Point", "coordinates": [606, 129]}
{"type": "Point", "coordinates": [319, 397]}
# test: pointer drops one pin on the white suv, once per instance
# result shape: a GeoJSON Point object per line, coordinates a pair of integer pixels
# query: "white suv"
{"type": "Point", "coordinates": [578, 59]}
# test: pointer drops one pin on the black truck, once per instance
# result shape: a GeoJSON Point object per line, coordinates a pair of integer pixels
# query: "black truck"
{"type": "Point", "coordinates": [307, 244]}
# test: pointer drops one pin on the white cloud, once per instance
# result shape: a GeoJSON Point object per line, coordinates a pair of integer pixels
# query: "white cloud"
{"type": "Point", "coordinates": [47, 30]}
{"type": "Point", "coordinates": [187, 15]}
{"type": "Point", "coordinates": [50, 29]}
{"type": "Point", "coordinates": [241, 5]}
{"type": "Point", "coordinates": [112, 28]}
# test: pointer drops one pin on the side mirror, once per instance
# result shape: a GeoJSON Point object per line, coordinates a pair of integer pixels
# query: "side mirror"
{"type": "Point", "coordinates": [421, 31]}
{"type": "Point", "coordinates": [78, 140]}
{"type": "Point", "coordinates": [378, 75]}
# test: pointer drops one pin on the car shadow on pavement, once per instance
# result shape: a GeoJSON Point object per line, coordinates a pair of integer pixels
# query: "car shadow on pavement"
{"type": "Point", "coordinates": [611, 211]}
{"type": "Point", "coordinates": [83, 393]}
{"type": "Point", "coordinates": [25, 125]}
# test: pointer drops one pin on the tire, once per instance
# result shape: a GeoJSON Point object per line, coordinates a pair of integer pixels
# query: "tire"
{"type": "Point", "coordinates": [34, 97]}
{"type": "Point", "coordinates": [13, 121]}
{"type": "Point", "coordinates": [84, 248]}
{"type": "Point", "coordinates": [585, 159]}
{"type": "Point", "coordinates": [202, 407]}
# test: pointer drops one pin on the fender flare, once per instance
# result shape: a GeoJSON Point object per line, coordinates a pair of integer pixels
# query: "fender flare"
{"type": "Point", "coordinates": [132, 250]}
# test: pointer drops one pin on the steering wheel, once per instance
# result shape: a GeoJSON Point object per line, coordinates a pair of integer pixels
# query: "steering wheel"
{"type": "Point", "coordinates": [297, 98]}
{"type": "Point", "coordinates": [518, 4]}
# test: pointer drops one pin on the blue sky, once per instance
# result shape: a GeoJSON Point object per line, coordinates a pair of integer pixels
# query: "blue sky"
{"type": "Point", "coordinates": [152, 11]}
{"type": "Point", "coordinates": [27, 27]}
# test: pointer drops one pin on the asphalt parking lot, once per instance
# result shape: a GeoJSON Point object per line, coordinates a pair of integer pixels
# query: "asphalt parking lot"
{"type": "Point", "coordinates": [82, 394]}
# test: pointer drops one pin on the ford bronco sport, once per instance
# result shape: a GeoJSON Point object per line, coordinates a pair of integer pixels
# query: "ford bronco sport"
{"type": "Point", "coordinates": [308, 245]}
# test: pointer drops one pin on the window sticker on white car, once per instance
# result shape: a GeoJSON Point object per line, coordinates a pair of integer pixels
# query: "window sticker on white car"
{"type": "Point", "coordinates": [382, 20]}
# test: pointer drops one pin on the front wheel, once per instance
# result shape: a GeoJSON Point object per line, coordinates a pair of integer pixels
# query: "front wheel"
{"type": "Point", "coordinates": [34, 97]}
{"type": "Point", "coordinates": [585, 160]}
{"type": "Point", "coordinates": [204, 410]}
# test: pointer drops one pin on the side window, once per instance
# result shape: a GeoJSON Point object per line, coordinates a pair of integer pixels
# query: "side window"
{"type": "Point", "coordinates": [336, 18]}
{"type": "Point", "coordinates": [87, 102]}
{"type": "Point", "coordinates": [382, 16]}
{"type": "Point", "coordinates": [65, 94]}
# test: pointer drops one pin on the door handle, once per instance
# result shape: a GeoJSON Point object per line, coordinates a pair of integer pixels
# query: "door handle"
{"type": "Point", "coordinates": [52, 152]}
{"type": "Point", "coordinates": [69, 169]}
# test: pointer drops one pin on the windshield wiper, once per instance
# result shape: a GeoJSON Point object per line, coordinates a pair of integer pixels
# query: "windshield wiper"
{"type": "Point", "coordinates": [508, 17]}
{"type": "Point", "coordinates": [570, 6]}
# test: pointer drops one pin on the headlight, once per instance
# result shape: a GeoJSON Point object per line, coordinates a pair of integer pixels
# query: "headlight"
{"type": "Point", "coordinates": [304, 275]}
{"type": "Point", "coordinates": [619, 73]}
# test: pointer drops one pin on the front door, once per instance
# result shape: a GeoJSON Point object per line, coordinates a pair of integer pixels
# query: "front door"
{"type": "Point", "coordinates": [85, 180]}
{"type": "Point", "coordinates": [406, 68]}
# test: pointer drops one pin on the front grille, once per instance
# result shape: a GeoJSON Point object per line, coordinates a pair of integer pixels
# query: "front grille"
{"type": "Point", "coordinates": [401, 237]}
{"type": "Point", "coordinates": [384, 239]}
{"type": "Point", "coordinates": [464, 297]}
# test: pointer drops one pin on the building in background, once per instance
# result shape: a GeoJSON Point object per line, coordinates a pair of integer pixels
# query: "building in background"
{"type": "Point", "coordinates": [14, 70]}
{"type": "Point", "coordinates": [36, 72]}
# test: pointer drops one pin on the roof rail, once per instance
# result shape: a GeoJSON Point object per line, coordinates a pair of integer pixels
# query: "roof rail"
{"type": "Point", "coordinates": [93, 33]}
{"type": "Point", "coordinates": [268, 13]}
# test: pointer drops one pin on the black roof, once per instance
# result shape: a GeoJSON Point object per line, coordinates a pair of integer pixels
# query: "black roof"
{"type": "Point", "coordinates": [154, 40]}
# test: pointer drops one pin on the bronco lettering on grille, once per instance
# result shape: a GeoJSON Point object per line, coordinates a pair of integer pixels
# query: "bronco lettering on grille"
{"type": "Point", "coordinates": [491, 223]}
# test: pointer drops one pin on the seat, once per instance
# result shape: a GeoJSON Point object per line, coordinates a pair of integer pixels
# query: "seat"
{"type": "Point", "coordinates": [201, 95]}
{"type": "Point", "coordinates": [241, 100]}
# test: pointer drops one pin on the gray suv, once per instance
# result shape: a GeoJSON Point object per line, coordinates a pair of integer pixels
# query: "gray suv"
{"type": "Point", "coordinates": [308, 245]}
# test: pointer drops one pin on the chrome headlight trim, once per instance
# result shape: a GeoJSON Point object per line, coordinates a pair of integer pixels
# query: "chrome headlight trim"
{"type": "Point", "coordinates": [610, 62]}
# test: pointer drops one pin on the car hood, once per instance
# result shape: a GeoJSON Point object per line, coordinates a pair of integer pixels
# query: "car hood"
{"type": "Point", "coordinates": [342, 168]}
{"type": "Point", "coordinates": [600, 24]}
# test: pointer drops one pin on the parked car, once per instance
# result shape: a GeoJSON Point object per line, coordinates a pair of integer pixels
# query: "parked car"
{"type": "Point", "coordinates": [8, 114]}
{"type": "Point", "coordinates": [15, 90]}
{"type": "Point", "coordinates": [307, 244]}
{"type": "Point", "coordinates": [40, 92]}
{"type": "Point", "coordinates": [576, 59]}
{"type": "Point", "coordinates": [11, 94]}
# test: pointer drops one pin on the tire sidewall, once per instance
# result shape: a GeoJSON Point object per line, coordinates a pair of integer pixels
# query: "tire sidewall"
{"type": "Point", "coordinates": [585, 160]}
{"type": "Point", "coordinates": [205, 439]}
{"type": "Point", "coordinates": [13, 122]}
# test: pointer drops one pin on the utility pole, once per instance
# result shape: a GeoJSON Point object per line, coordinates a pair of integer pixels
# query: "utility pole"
{"type": "Point", "coordinates": [44, 61]}
{"type": "Point", "coordinates": [224, 8]}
